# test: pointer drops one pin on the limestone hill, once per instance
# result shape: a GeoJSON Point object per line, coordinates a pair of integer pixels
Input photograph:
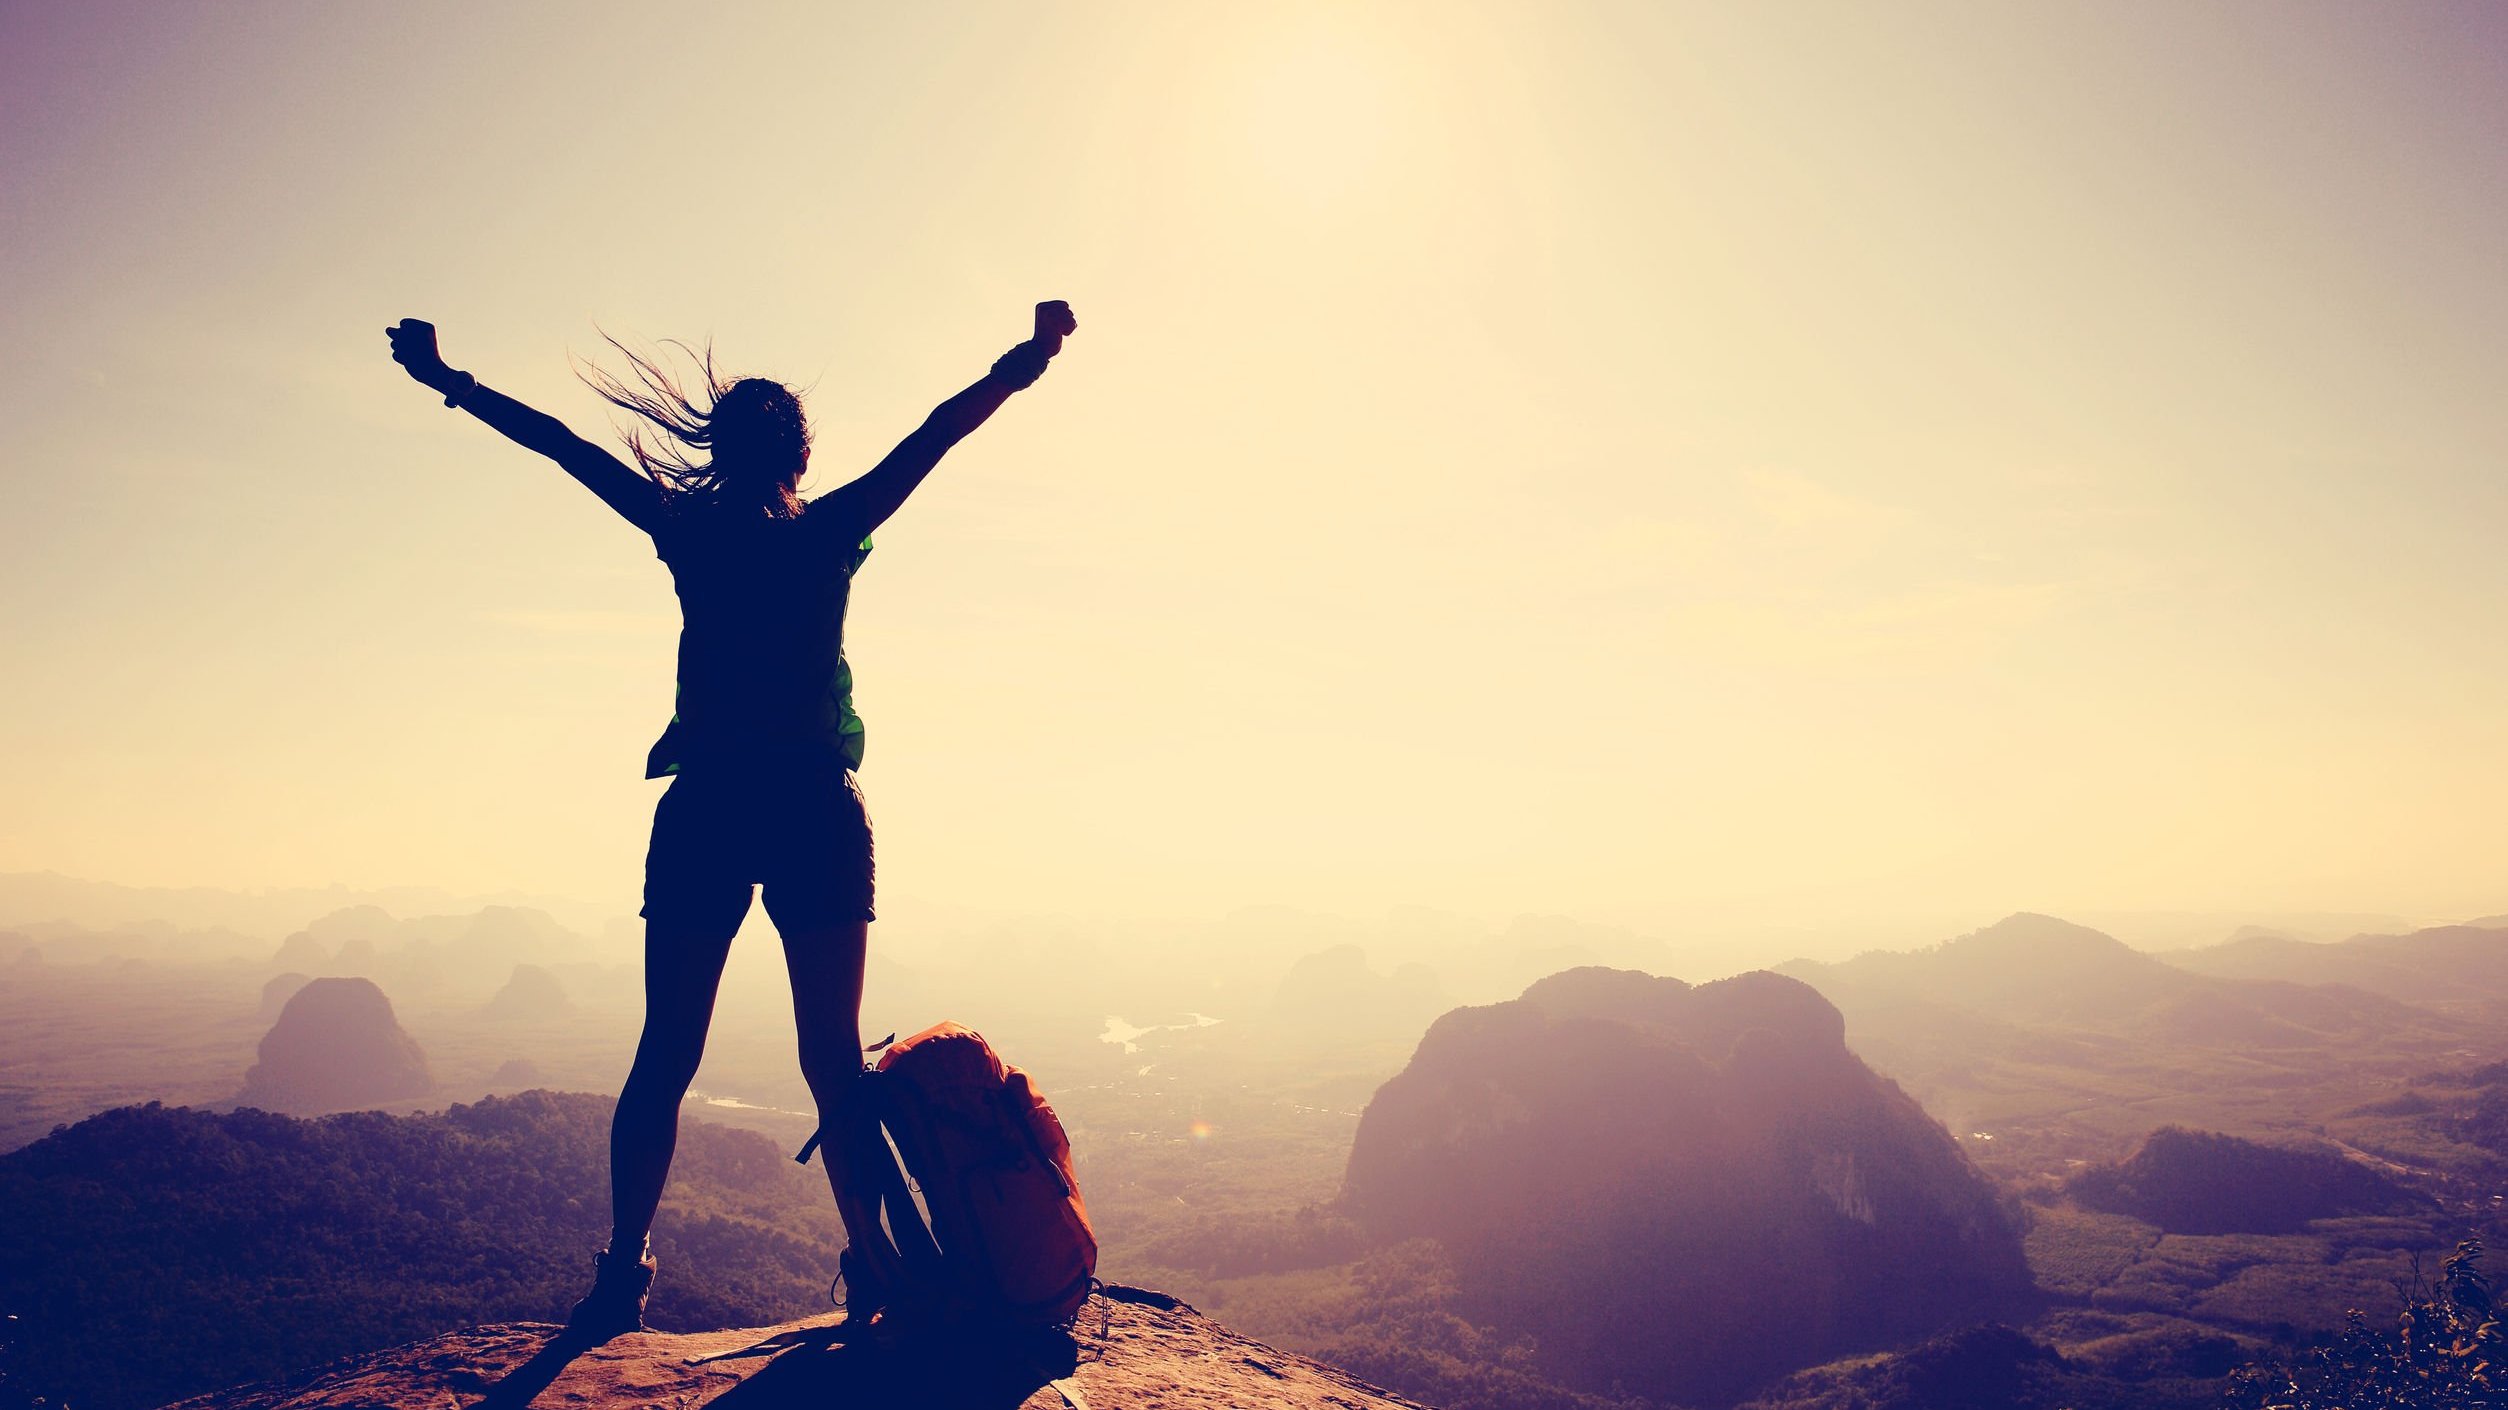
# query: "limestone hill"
{"type": "Point", "coordinates": [1679, 1191]}
{"type": "Point", "coordinates": [336, 1044]}
{"type": "Point", "coordinates": [2202, 1182]}
{"type": "Point", "coordinates": [280, 989]}
{"type": "Point", "coordinates": [532, 995]}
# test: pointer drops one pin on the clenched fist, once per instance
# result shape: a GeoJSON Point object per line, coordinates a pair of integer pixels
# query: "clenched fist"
{"type": "Point", "coordinates": [1054, 323]}
{"type": "Point", "coordinates": [413, 347]}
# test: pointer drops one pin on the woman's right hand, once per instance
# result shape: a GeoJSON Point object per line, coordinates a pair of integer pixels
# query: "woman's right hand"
{"type": "Point", "coordinates": [413, 347]}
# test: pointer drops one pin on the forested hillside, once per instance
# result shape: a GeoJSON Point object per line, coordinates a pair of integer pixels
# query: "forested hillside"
{"type": "Point", "coordinates": [153, 1252]}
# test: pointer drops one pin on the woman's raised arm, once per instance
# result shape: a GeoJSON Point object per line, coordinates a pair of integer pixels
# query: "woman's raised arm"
{"type": "Point", "coordinates": [637, 499]}
{"type": "Point", "coordinates": [864, 504]}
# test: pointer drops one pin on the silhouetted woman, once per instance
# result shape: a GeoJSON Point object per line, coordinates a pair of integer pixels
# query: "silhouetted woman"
{"type": "Point", "coordinates": [762, 750]}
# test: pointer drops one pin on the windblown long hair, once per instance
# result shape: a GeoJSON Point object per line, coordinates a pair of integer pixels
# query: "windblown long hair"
{"type": "Point", "coordinates": [751, 431]}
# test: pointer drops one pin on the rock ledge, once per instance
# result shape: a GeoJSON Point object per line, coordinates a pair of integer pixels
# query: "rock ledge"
{"type": "Point", "coordinates": [1132, 1348]}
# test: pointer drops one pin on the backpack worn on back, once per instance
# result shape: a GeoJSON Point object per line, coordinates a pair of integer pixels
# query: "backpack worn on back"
{"type": "Point", "coordinates": [994, 1169]}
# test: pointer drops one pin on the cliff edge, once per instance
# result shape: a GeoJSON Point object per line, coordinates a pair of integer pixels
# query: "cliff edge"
{"type": "Point", "coordinates": [1132, 1348]}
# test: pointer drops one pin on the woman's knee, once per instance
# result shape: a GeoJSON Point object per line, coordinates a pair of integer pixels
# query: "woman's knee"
{"type": "Point", "coordinates": [664, 1070]}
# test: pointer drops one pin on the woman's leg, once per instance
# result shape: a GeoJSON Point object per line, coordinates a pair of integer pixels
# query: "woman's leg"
{"type": "Point", "coordinates": [826, 966]}
{"type": "Point", "coordinates": [683, 968]}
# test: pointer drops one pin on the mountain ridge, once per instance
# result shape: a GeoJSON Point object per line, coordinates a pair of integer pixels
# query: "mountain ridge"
{"type": "Point", "coordinates": [2049, 972]}
{"type": "Point", "coordinates": [2440, 966]}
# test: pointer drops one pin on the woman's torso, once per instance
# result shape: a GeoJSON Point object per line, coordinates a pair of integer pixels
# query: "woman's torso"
{"type": "Point", "coordinates": [763, 681]}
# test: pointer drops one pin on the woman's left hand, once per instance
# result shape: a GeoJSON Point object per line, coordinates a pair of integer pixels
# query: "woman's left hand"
{"type": "Point", "coordinates": [1054, 323]}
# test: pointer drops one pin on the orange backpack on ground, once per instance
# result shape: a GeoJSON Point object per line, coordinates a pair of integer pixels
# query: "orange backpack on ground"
{"type": "Point", "coordinates": [1000, 1197]}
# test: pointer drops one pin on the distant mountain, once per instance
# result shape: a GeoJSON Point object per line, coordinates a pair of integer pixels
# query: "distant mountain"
{"type": "Point", "coordinates": [1531, 946]}
{"type": "Point", "coordinates": [436, 957]}
{"type": "Point", "coordinates": [50, 896]}
{"type": "Point", "coordinates": [280, 989]}
{"type": "Point", "coordinates": [153, 1252]}
{"type": "Point", "coordinates": [2025, 967]}
{"type": "Point", "coordinates": [532, 995]}
{"type": "Point", "coordinates": [2449, 965]}
{"type": "Point", "coordinates": [302, 952]}
{"type": "Point", "coordinates": [515, 1072]}
{"type": "Point", "coordinates": [71, 942]}
{"type": "Point", "coordinates": [1994, 1367]}
{"type": "Point", "coordinates": [336, 1044]}
{"type": "Point", "coordinates": [368, 923]}
{"type": "Point", "coordinates": [2202, 1182]}
{"type": "Point", "coordinates": [1335, 991]}
{"type": "Point", "coordinates": [1679, 1191]}
{"type": "Point", "coordinates": [2040, 972]}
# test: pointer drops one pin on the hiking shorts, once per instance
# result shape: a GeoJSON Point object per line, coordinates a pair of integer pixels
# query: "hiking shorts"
{"type": "Point", "coordinates": [802, 834]}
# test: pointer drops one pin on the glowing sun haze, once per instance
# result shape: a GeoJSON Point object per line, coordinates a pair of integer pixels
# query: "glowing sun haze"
{"type": "Point", "coordinates": [1674, 465]}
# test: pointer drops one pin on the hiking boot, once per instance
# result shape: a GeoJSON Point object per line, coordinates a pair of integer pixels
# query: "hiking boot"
{"type": "Point", "coordinates": [867, 1293]}
{"type": "Point", "coordinates": [615, 1306]}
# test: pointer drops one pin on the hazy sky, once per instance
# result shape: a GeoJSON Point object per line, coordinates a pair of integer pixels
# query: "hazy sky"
{"type": "Point", "coordinates": [1661, 464]}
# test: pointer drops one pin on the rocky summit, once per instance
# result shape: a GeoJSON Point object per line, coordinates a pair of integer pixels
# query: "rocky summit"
{"type": "Point", "coordinates": [1132, 1349]}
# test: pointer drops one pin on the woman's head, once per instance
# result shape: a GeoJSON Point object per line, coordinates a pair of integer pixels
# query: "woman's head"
{"type": "Point", "coordinates": [751, 431]}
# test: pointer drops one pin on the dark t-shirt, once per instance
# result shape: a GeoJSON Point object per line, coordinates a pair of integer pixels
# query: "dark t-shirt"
{"type": "Point", "coordinates": [763, 682]}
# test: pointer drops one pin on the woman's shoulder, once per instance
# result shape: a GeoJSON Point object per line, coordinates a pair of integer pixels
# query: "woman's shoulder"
{"type": "Point", "coordinates": [691, 523]}
{"type": "Point", "coordinates": [700, 512]}
{"type": "Point", "coordinates": [700, 524]}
